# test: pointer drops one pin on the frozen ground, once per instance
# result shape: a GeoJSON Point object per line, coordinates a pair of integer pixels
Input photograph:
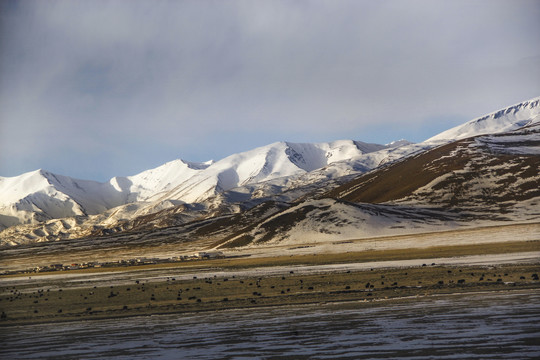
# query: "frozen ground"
{"type": "Point", "coordinates": [471, 326]}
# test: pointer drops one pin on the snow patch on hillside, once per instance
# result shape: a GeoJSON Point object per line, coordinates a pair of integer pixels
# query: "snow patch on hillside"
{"type": "Point", "coordinates": [329, 220]}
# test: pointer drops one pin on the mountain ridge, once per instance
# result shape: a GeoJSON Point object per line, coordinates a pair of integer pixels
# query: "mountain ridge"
{"type": "Point", "coordinates": [506, 119]}
{"type": "Point", "coordinates": [180, 192]}
{"type": "Point", "coordinates": [180, 181]}
{"type": "Point", "coordinates": [484, 180]}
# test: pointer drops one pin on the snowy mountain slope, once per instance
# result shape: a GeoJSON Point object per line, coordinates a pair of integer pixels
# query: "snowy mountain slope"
{"type": "Point", "coordinates": [179, 192]}
{"type": "Point", "coordinates": [41, 195]}
{"type": "Point", "coordinates": [480, 180]}
{"type": "Point", "coordinates": [483, 180]}
{"type": "Point", "coordinates": [490, 174]}
{"type": "Point", "coordinates": [507, 119]}
{"type": "Point", "coordinates": [151, 183]}
{"type": "Point", "coordinates": [292, 188]}
{"type": "Point", "coordinates": [265, 163]}
{"type": "Point", "coordinates": [323, 220]}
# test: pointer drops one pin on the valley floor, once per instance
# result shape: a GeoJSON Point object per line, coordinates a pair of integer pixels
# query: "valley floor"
{"type": "Point", "coordinates": [162, 244]}
{"type": "Point", "coordinates": [367, 277]}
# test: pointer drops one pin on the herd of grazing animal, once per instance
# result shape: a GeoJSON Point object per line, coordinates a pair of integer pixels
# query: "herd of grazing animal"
{"type": "Point", "coordinates": [28, 301]}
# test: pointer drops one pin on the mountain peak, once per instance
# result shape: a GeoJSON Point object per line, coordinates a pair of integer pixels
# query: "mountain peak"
{"type": "Point", "coordinates": [190, 164]}
{"type": "Point", "coordinates": [398, 143]}
{"type": "Point", "coordinates": [506, 119]}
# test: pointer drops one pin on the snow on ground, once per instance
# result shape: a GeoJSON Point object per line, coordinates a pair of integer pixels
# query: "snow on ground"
{"type": "Point", "coordinates": [481, 235]}
{"type": "Point", "coordinates": [324, 220]}
{"type": "Point", "coordinates": [154, 275]}
{"type": "Point", "coordinates": [487, 235]}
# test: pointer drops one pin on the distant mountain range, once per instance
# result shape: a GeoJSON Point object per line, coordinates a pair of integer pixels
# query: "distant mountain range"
{"type": "Point", "coordinates": [484, 170]}
{"type": "Point", "coordinates": [41, 195]}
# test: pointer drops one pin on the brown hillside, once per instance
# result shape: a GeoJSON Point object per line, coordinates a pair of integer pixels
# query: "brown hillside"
{"type": "Point", "coordinates": [401, 179]}
{"type": "Point", "coordinates": [471, 173]}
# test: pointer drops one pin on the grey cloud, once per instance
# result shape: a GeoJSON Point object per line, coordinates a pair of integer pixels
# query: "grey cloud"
{"type": "Point", "coordinates": [95, 76]}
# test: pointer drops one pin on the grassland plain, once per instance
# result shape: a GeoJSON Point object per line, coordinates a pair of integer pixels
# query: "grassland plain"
{"type": "Point", "coordinates": [59, 298]}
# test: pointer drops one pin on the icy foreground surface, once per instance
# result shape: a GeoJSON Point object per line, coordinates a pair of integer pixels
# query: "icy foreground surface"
{"type": "Point", "coordinates": [472, 326]}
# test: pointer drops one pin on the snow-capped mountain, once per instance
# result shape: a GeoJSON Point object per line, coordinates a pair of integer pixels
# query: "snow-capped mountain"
{"type": "Point", "coordinates": [278, 160]}
{"type": "Point", "coordinates": [40, 195]}
{"type": "Point", "coordinates": [507, 119]}
{"type": "Point", "coordinates": [179, 193]}
{"type": "Point", "coordinates": [473, 174]}
{"type": "Point", "coordinates": [483, 180]}
{"type": "Point", "coordinates": [151, 183]}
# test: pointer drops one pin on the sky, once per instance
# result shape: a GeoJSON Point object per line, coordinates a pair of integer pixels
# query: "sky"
{"type": "Point", "coordinates": [96, 89]}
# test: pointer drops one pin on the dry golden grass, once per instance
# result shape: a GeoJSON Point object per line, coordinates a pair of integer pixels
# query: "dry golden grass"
{"type": "Point", "coordinates": [330, 258]}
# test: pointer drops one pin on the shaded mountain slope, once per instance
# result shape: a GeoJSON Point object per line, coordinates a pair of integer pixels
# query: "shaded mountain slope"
{"type": "Point", "coordinates": [483, 171]}
{"type": "Point", "coordinates": [400, 179]}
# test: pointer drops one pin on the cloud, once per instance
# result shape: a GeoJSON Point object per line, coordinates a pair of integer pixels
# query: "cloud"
{"type": "Point", "coordinates": [113, 81]}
